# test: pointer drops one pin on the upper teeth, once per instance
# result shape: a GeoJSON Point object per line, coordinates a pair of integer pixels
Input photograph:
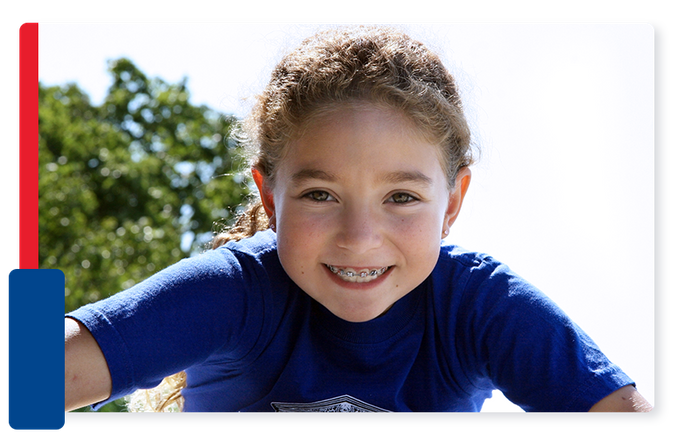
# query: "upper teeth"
{"type": "Point", "coordinates": [361, 276]}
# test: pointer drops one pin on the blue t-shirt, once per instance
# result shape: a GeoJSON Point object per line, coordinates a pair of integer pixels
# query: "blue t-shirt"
{"type": "Point", "coordinates": [251, 340]}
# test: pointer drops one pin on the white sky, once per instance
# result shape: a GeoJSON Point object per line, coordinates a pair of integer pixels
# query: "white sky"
{"type": "Point", "coordinates": [564, 116]}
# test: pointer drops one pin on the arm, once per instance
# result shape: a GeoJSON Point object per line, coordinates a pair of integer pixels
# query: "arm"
{"type": "Point", "coordinates": [625, 399]}
{"type": "Point", "coordinates": [87, 375]}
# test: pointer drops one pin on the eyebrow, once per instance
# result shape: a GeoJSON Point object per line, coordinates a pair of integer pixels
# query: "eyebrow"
{"type": "Point", "coordinates": [311, 173]}
{"type": "Point", "coordinates": [407, 176]}
{"type": "Point", "coordinates": [390, 178]}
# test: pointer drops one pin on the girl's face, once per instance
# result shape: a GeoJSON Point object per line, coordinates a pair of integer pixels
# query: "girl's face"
{"type": "Point", "coordinates": [360, 204]}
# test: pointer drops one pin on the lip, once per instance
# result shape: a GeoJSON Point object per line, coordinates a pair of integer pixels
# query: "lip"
{"type": "Point", "coordinates": [359, 285]}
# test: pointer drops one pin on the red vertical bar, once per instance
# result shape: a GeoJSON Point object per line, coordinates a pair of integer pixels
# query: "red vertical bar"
{"type": "Point", "coordinates": [29, 146]}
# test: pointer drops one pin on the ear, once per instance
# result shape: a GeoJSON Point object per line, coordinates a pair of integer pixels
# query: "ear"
{"type": "Point", "coordinates": [265, 195]}
{"type": "Point", "coordinates": [454, 205]}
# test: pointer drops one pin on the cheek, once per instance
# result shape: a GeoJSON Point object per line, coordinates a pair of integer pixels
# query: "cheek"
{"type": "Point", "coordinates": [300, 231]}
{"type": "Point", "coordinates": [295, 254]}
{"type": "Point", "coordinates": [300, 240]}
{"type": "Point", "coordinates": [424, 225]}
{"type": "Point", "coordinates": [419, 240]}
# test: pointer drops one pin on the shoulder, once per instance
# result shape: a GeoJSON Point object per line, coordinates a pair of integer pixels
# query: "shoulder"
{"type": "Point", "coordinates": [247, 267]}
{"type": "Point", "coordinates": [479, 292]}
{"type": "Point", "coordinates": [464, 274]}
{"type": "Point", "coordinates": [259, 245]}
{"type": "Point", "coordinates": [251, 255]}
{"type": "Point", "coordinates": [509, 333]}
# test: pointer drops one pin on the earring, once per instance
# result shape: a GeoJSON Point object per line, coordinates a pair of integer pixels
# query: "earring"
{"type": "Point", "coordinates": [446, 232]}
{"type": "Point", "coordinates": [272, 226]}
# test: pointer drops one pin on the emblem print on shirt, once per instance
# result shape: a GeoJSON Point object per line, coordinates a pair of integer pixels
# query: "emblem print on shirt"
{"type": "Point", "coordinates": [340, 404]}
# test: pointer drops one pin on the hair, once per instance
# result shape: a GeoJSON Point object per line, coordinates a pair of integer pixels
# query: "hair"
{"type": "Point", "coordinates": [340, 67]}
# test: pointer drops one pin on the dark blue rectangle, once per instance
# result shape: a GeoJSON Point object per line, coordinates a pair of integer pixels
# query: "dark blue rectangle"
{"type": "Point", "coordinates": [37, 369]}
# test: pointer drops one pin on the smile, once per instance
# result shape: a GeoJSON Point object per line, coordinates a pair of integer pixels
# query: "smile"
{"type": "Point", "coordinates": [357, 276]}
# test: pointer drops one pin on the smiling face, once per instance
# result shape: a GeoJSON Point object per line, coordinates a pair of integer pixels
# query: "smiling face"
{"type": "Point", "coordinates": [360, 203]}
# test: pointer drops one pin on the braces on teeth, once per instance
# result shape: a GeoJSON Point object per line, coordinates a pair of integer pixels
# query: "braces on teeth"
{"type": "Point", "coordinates": [361, 274]}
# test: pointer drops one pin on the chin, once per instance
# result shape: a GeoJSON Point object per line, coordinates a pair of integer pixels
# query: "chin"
{"type": "Point", "coordinates": [357, 306]}
{"type": "Point", "coordinates": [357, 316]}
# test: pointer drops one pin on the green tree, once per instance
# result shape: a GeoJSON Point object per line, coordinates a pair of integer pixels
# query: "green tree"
{"type": "Point", "coordinates": [131, 186]}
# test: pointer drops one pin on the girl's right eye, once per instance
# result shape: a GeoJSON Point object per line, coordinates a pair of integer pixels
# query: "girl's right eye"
{"type": "Point", "coordinates": [319, 195]}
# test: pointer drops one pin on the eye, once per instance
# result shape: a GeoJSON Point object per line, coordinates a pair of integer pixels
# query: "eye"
{"type": "Point", "coordinates": [402, 198]}
{"type": "Point", "coordinates": [319, 195]}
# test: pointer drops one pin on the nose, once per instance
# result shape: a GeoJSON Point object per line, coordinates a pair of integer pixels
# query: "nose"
{"type": "Point", "coordinates": [359, 230]}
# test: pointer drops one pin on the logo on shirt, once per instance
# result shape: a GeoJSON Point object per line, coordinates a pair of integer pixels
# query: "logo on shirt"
{"type": "Point", "coordinates": [340, 404]}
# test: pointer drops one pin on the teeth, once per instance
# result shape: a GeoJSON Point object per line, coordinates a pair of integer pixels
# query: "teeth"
{"type": "Point", "coordinates": [362, 276]}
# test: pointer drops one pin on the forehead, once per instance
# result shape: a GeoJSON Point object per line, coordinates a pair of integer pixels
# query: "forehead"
{"type": "Point", "coordinates": [360, 112]}
{"type": "Point", "coordinates": [362, 139]}
{"type": "Point", "coordinates": [417, 177]}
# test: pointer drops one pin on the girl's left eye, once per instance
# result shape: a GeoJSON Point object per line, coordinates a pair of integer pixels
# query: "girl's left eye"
{"type": "Point", "coordinates": [402, 198]}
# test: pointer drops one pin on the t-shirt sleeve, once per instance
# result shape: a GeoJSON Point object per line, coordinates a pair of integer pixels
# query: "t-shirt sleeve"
{"type": "Point", "coordinates": [173, 320]}
{"type": "Point", "coordinates": [529, 349]}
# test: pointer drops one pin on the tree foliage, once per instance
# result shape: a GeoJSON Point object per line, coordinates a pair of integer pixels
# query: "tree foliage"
{"type": "Point", "coordinates": [130, 186]}
{"type": "Point", "coordinates": [124, 186]}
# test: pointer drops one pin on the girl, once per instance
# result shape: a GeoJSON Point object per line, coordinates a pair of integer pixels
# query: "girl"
{"type": "Point", "coordinates": [335, 291]}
